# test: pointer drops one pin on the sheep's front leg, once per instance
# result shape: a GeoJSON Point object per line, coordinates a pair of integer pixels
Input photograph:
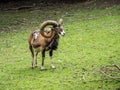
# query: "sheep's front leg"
{"type": "Point", "coordinates": [43, 57]}
{"type": "Point", "coordinates": [51, 62]}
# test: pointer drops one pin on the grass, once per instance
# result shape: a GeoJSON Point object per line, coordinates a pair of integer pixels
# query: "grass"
{"type": "Point", "coordinates": [92, 42]}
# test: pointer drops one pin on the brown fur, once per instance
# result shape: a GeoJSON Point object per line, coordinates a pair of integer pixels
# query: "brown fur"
{"type": "Point", "coordinates": [42, 43]}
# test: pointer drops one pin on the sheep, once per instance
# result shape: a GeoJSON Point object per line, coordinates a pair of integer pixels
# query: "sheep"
{"type": "Point", "coordinates": [45, 40]}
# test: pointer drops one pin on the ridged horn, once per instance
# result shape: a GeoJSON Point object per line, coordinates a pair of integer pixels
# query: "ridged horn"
{"type": "Point", "coordinates": [46, 23]}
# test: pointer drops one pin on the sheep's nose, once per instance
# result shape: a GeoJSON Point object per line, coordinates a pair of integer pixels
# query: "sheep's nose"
{"type": "Point", "coordinates": [63, 33]}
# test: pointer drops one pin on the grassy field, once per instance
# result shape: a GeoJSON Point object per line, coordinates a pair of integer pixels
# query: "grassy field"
{"type": "Point", "coordinates": [91, 46]}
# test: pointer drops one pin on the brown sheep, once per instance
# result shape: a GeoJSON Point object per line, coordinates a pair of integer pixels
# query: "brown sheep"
{"type": "Point", "coordinates": [44, 40]}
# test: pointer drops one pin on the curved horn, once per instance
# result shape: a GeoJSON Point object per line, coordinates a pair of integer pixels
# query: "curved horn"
{"type": "Point", "coordinates": [46, 23]}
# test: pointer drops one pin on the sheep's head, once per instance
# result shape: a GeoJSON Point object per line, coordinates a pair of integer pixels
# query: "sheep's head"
{"type": "Point", "coordinates": [56, 26]}
{"type": "Point", "coordinates": [60, 27]}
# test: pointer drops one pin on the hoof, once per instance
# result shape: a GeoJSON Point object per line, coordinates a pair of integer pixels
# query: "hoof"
{"type": "Point", "coordinates": [33, 67]}
{"type": "Point", "coordinates": [53, 67]}
{"type": "Point", "coordinates": [42, 68]}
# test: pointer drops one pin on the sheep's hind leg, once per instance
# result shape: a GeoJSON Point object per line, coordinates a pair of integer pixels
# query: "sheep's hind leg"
{"type": "Point", "coordinates": [32, 54]}
{"type": "Point", "coordinates": [35, 64]}
{"type": "Point", "coordinates": [34, 60]}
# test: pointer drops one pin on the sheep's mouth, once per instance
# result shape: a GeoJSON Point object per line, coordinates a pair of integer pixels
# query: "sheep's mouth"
{"type": "Point", "coordinates": [62, 33]}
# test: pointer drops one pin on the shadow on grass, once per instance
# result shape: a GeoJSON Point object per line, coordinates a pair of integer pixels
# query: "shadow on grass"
{"type": "Point", "coordinates": [32, 72]}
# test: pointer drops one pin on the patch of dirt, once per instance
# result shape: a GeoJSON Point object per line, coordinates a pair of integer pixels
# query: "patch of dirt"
{"type": "Point", "coordinates": [16, 5]}
{"type": "Point", "coordinates": [102, 3]}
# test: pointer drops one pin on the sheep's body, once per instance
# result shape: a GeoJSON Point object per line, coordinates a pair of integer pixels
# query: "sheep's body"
{"type": "Point", "coordinates": [37, 43]}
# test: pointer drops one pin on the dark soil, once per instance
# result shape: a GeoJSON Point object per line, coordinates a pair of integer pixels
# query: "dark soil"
{"type": "Point", "coordinates": [6, 5]}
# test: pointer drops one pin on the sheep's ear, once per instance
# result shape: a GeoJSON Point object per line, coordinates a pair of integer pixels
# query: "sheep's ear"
{"type": "Point", "coordinates": [60, 21]}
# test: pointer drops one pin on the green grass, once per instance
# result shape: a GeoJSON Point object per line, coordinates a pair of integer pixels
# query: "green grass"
{"type": "Point", "coordinates": [92, 42]}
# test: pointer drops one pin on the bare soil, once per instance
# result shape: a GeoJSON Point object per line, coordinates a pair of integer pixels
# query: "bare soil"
{"type": "Point", "coordinates": [16, 5]}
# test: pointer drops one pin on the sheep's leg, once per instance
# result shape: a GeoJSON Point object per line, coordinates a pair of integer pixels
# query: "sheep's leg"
{"type": "Point", "coordinates": [51, 62]}
{"type": "Point", "coordinates": [36, 53]}
{"type": "Point", "coordinates": [32, 54]}
{"type": "Point", "coordinates": [34, 59]}
{"type": "Point", "coordinates": [32, 62]}
{"type": "Point", "coordinates": [43, 57]}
